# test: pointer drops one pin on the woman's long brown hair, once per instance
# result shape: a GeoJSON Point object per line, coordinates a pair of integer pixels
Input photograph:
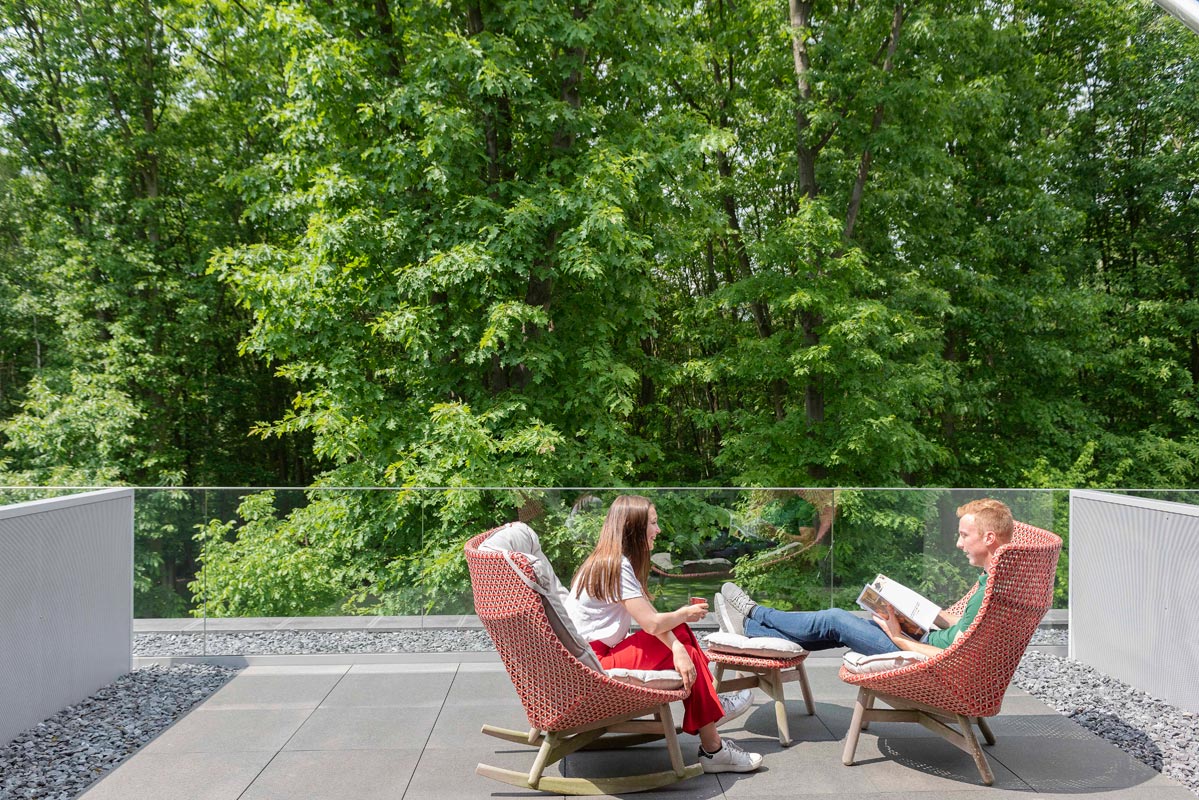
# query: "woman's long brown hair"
{"type": "Point", "coordinates": [625, 533]}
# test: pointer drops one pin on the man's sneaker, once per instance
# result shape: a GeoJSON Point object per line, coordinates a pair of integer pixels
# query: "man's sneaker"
{"type": "Point", "coordinates": [736, 601]}
{"type": "Point", "coordinates": [729, 758]}
{"type": "Point", "coordinates": [726, 617]}
{"type": "Point", "coordinates": [735, 704]}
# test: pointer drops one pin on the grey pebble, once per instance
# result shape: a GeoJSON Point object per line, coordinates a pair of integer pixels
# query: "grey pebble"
{"type": "Point", "coordinates": [59, 758]}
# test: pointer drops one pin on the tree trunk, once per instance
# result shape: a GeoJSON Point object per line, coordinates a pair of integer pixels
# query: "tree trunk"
{"type": "Point", "coordinates": [805, 156]}
{"type": "Point", "coordinates": [876, 122]}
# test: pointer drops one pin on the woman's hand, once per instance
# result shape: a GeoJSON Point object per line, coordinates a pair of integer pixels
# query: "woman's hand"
{"type": "Point", "coordinates": [693, 613]}
{"type": "Point", "coordinates": [683, 664]}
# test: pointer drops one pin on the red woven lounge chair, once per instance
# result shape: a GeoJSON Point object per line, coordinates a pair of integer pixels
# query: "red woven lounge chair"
{"type": "Point", "coordinates": [569, 705]}
{"type": "Point", "coordinates": [965, 683]}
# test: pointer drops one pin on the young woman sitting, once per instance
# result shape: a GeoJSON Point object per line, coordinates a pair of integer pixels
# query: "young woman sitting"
{"type": "Point", "coordinates": [609, 592]}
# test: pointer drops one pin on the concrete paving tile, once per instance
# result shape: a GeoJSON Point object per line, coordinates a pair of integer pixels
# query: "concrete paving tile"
{"type": "Point", "coordinates": [458, 725]}
{"type": "Point", "coordinates": [1059, 764]}
{"type": "Point", "coordinates": [250, 690]}
{"type": "Point", "coordinates": [469, 666]}
{"type": "Point", "coordinates": [180, 776]}
{"type": "Point", "coordinates": [390, 690]}
{"type": "Point", "coordinates": [230, 731]}
{"type": "Point", "coordinates": [335, 775]}
{"type": "Point", "coordinates": [1139, 793]}
{"type": "Point", "coordinates": [444, 774]}
{"type": "Point", "coordinates": [364, 729]}
{"type": "Point", "coordinates": [991, 793]}
{"type": "Point", "coordinates": [925, 765]}
{"type": "Point", "coordinates": [480, 688]}
{"type": "Point", "coordinates": [805, 767]}
{"type": "Point", "coordinates": [761, 722]}
{"type": "Point", "coordinates": [296, 669]}
{"type": "Point", "coordinates": [449, 667]}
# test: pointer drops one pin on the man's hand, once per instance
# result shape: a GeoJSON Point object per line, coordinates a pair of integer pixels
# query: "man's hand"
{"type": "Point", "coordinates": [888, 620]}
{"type": "Point", "coordinates": [683, 664]}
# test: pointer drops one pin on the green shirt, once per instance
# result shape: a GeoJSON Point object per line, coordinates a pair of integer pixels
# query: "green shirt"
{"type": "Point", "coordinates": [945, 638]}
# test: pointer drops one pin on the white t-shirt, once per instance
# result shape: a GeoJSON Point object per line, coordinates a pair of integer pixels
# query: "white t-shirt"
{"type": "Point", "coordinates": [598, 621]}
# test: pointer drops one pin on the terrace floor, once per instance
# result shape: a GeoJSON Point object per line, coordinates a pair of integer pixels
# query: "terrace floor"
{"type": "Point", "coordinates": [362, 731]}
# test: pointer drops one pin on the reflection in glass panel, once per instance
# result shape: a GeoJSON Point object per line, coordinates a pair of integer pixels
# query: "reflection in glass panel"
{"type": "Point", "coordinates": [911, 536]}
{"type": "Point", "coordinates": [264, 571]}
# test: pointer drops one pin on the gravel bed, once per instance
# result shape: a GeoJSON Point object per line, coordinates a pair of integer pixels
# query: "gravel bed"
{"type": "Point", "coordinates": [58, 758]}
{"type": "Point", "coordinates": [424, 640]}
{"type": "Point", "coordinates": [1149, 729]}
{"type": "Point", "coordinates": [1048, 636]}
{"type": "Point", "coordinates": [294, 642]}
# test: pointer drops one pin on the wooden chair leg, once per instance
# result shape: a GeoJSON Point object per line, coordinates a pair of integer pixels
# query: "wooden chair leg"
{"type": "Point", "coordinates": [855, 726]}
{"type": "Point", "coordinates": [988, 737]}
{"type": "Point", "coordinates": [806, 688]}
{"type": "Point", "coordinates": [772, 683]}
{"type": "Point", "coordinates": [672, 740]}
{"type": "Point", "coordinates": [869, 706]}
{"type": "Point", "coordinates": [972, 746]}
{"type": "Point", "coordinates": [551, 741]}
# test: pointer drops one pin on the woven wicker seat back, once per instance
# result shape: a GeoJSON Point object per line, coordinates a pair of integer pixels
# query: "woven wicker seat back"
{"type": "Point", "coordinates": [557, 690]}
{"type": "Point", "coordinates": [971, 675]}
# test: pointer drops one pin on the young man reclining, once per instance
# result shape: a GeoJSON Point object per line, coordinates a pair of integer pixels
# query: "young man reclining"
{"type": "Point", "coordinates": [983, 527]}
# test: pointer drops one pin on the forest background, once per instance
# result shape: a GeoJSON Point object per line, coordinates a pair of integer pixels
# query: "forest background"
{"type": "Point", "coordinates": [554, 243]}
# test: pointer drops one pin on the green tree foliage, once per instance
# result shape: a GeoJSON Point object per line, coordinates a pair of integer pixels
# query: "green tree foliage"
{"type": "Point", "coordinates": [118, 356]}
{"type": "Point", "coordinates": [498, 243]}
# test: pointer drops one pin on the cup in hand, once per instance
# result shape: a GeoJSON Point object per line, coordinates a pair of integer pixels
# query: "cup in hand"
{"type": "Point", "coordinates": [697, 601]}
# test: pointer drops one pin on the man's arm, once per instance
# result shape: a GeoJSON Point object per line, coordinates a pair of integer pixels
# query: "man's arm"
{"type": "Point", "coordinates": [946, 620]}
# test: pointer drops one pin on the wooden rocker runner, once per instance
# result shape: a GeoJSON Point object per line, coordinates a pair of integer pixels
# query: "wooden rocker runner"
{"type": "Point", "coordinates": [570, 705]}
{"type": "Point", "coordinates": [966, 682]}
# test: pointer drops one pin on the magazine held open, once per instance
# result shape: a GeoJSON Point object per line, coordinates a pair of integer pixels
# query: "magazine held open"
{"type": "Point", "coordinates": [917, 613]}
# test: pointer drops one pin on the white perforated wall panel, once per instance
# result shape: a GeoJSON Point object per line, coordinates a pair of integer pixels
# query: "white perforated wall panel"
{"type": "Point", "coordinates": [66, 602]}
{"type": "Point", "coordinates": [1134, 575]}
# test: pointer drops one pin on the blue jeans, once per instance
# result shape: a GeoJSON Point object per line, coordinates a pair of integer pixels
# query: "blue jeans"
{"type": "Point", "coordinates": [820, 630]}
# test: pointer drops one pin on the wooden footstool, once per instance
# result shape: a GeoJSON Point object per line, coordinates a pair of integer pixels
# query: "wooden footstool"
{"type": "Point", "coordinates": [768, 673]}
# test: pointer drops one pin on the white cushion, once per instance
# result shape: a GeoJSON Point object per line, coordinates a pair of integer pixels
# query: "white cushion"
{"type": "Point", "coordinates": [859, 664]}
{"type": "Point", "coordinates": [648, 678]}
{"type": "Point", "coordinates": [759, 646]}
{"type": "Point", "coordinates": [520, 538]}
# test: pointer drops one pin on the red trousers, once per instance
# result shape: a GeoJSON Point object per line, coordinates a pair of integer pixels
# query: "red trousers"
{"type": "Point", "coordinates": [644, 651]}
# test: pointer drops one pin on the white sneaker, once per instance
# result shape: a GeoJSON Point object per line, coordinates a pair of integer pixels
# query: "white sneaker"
{"type": "Point", "coordinates": [735, 704]}
{"type": "Point", "coordinates": [728, 618]}
{"type": "Point", "coordinates": [729, 758]}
